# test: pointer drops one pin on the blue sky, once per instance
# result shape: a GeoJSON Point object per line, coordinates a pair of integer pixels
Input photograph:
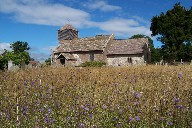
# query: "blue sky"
{"type": "Point", "coordinates": [37, 21]}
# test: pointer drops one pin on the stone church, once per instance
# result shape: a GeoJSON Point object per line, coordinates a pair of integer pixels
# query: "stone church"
{"type": "Point", "coordinates": [72, 50]}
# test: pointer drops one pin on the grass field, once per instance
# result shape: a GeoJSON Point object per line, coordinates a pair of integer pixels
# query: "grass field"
{"type": "Point", "coordinates": [141, 96]}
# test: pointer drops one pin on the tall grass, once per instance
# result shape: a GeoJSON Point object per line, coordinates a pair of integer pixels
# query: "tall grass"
{"type": "Point", "coordinates": [143, 96]}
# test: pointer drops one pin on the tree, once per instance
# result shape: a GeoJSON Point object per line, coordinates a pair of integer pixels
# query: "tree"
{"type": "Point", "coordinates": [155, 53]}
{"type": "Point", "coordinates": [173, 28]}
{"type": "Point", "coordinates": [19, 46]}
{"type": "Point", "coordinates": [3, 62]}
{"type": "Point", "coordinates": [48, 61]}
{"type": "Point", "coordinates": [185, 52]}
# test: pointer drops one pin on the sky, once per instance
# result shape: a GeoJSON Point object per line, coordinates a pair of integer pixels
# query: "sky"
{"type": "Point", "coordinates": [37, 21]}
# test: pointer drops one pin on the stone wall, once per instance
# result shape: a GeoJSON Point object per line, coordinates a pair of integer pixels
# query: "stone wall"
{"type": "Point", "coordinates": [86, 57]}
{"type": "Point", "coordinates": [125, 60]}
{"type": "Point", "coordinates": [80, 57]}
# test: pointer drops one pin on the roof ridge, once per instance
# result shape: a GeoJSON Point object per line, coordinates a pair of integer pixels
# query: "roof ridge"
{"type": "Point", "coordinates": [67, 26]}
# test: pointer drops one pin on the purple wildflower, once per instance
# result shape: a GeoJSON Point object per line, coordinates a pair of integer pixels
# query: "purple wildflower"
{"type": "Point", "coordinates": [179, 75]}
{"type": "Point", "coordinates": [176, 100]}
{"type": "Point", "coordinates": [131, 119]}
{"type": "Point", "coordinates": [49, 110]}
{"type": "Point", "coordinates": [81, 125]}
{"type": "Point", "coordinates": [119, 124]}
{"type": "Point", "coordinates": [104, 107]}
{"type": "Point", "coordinates": [42, 110]}
{"type": "Point", "coordinates": [170, 123]}
{"type": "Point", "coordinates": [24, 111]}
{"type": "Point", "coordinates": [47, 120]}
{"type": "Point", "coordinates": [170, 114]}
{"type": "Point", "coordinates": [179, 106]}
{"type": "Point", "coordinates": [68, 118]}
{"type": "Point", "coordinates": [133, 80]}
{"type": "Point", "coordinates": [86, 108]}
{"type": "Point", "coordinates": [136, 103]}
{"type": "Point", "coordinates": [120, 111]}
{"type": "Point", "coordinates": [137, 118]}
{"type": "Point", "coordinates": [162, 118]}
{"type": "Point", "coordinates": [1, 114]}
{"type": "Point", "coordinates": [90, 115]}
{"type": "Point", "coordinates": [92, 107]}
{"type": "Point", "coordinates": [137, 96]}
{"type": "Point", "coordinates": [115, 118]}
{"type": "Point", "coordinates": [25, 83]}
{"type": "Point", "coordinates": [32, 83]}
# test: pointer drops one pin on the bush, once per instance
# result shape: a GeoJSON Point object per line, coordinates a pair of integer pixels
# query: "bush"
{"type": "Point", "coordinates": [93, 64]}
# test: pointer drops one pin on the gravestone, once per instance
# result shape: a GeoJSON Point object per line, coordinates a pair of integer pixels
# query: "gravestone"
{"type": "Point", "coordinates": [23, 65]}
{"type": "Point", "coordinates": [10, 65]}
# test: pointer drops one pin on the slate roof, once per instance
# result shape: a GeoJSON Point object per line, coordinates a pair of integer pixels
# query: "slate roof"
{"type": "Point", "coordinates": [34, 63]}
{"type": "Point", "coordinates": [68, 56]}
{"type": "Point", "coordinates": [67, 26]}
{"type": "Point", "coordinates": [129, 46]}
{"type": "Point", "coordinates": [83, 44]}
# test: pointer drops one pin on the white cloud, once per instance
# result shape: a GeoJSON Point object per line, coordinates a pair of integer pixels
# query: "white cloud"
{"type": "Point", "coordinates": [42, 12]}
{"type": "Point", "coordinates": [5, 46]}
{"type": "Point", "coordinates": [101, 5]}
{"type": "Point", "coordinates": [140, 19]}
{"type": "Point", "coordinates": [123, 27]}
{"type": "Point", "coordinates": [45, 13]}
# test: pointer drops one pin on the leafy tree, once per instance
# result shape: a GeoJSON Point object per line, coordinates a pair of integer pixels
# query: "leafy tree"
{"type": "Point", "coordinates": [48, 61]}
{"type": "Point", "coordinates": [19, 46]}
{"type": "Point", "coordinates": [20, 52]}
{"type": "Point", "coordinates": [155, 53]}
{"type": "Point", "coordinates": [3, 63]}
{"type": "Point", "coordinates": [185, 52]}
{"type": "Point", "coordinates": [173, 28]}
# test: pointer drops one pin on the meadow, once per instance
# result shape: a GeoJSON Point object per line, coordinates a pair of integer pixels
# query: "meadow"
{"type": "Point", "coordinates": [107, 97]}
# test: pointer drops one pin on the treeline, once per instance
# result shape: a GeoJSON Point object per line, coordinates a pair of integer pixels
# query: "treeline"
{"type": "Point", "coordinates": [174, 30]}
{"type": "Point", "coordinates": [18, 54]}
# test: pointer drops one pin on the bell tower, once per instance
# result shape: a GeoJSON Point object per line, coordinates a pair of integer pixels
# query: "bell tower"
{"type": "Point", "coordinates": [67, 32]}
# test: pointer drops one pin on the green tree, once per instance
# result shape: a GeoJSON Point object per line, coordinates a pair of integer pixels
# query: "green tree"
{"type": "Point", "coordinates": [19, 46]}
{"type": "Point", "coordinates": [48, 61]}
{"type": "Point", "coordinates": [173, 28]}
{"type": "Point", "coordinates": [155, 53]}
{"type": "Point", "coordinates": [3, 62]}
{"type": "Point", "coordinates": [185, 52]}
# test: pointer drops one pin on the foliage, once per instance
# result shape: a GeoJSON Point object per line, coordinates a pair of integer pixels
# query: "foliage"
{"type": "Point", "coordinates": [173, 28]}
{"type": "Point", "coordinates": [3, 63]}
{"type": "Point", "coordinates": [48, 61]}
{"type": "Point", "coordinates": [17, 58]}
{"type": "Point", "coordinates": [19, 46]}
{"type": "Point", "coordinates": [185, 52]}
{"type": "Point", "coordinates": [155, 52]}
{"type": "Point", "coordinates": [18, 55]}
{"type": "Point", "coordinates": [145, 96]}
{"type": "Point", "coordinates": [93, 64]}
